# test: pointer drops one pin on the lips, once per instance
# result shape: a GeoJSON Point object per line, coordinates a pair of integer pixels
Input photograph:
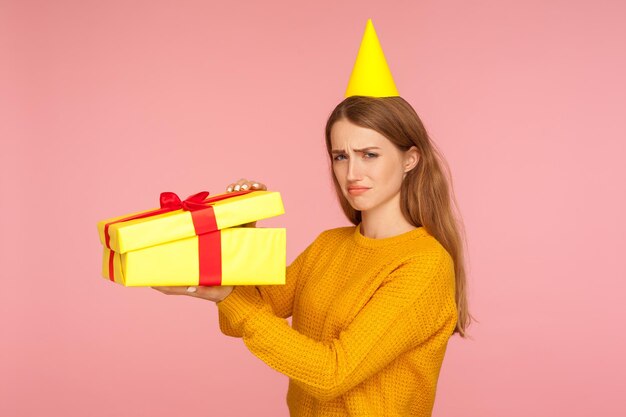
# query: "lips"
{"type": "Point", "coordinates": [357, 190]}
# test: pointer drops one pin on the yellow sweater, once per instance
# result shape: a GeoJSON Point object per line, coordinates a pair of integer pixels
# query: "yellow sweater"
{"type": "Point", "coordinates": [371, 322]}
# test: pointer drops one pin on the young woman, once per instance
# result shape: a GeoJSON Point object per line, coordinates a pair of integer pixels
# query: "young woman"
{"type": "Point", "coordinates": [372, 305]}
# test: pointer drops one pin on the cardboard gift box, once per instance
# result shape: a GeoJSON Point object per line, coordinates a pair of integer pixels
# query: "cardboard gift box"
{"type": "Point", "coordinates": [194, 242]}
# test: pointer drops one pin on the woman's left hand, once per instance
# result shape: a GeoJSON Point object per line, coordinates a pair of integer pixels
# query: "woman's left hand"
{"type": "Point", "coordinates": [217, 293]}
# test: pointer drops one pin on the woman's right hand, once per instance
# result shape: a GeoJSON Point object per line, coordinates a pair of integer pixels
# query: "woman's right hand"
{"type": "Point", "coordinates": [244, 184]}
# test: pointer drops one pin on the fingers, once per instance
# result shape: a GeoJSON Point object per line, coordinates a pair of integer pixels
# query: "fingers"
{"type": "Point", "coordinates": [215, 293]}
{"type": "Point", "coordinates": [244, 184]}
{"type": "Point", "coordinates": [173, 290]}
{"type": "Point", "coordinates": [177, 290]}
{"type": "Point", "coordinates": [259, 186]}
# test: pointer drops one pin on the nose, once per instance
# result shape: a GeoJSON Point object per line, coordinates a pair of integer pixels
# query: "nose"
{"type": "Point", "coordinates": [354, 170]}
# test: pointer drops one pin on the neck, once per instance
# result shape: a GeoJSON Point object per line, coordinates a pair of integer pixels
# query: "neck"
{"type": "Point", "coordinates": [385, 220]}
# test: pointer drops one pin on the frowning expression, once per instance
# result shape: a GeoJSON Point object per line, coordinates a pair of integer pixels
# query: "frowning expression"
{"type": "Point", "coordinates": [368, 167]}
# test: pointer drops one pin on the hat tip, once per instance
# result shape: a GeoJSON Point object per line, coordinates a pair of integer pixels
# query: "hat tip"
{"type": "Point", "coordinates": [371, 75]}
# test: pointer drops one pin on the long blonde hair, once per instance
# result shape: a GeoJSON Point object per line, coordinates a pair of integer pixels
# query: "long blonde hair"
{"type": "Point", "coordinates": [426, 195]}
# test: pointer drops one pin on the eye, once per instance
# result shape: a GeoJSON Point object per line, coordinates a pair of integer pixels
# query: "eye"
{"type": "Point", "coordinates": [336, 158]}
{"type": "Point", "coordinates": [371, 155]}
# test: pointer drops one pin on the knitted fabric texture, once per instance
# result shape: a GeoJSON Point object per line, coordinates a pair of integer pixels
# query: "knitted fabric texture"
{"type": "Point", "coordinates": [371, 319]}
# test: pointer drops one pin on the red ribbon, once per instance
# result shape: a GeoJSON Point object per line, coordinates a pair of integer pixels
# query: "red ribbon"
{"type": "Point", "coordinates": [205, 226]}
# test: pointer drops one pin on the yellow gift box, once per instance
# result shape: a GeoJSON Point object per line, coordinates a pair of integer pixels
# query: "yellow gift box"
{"type": "Point", "coordinates": [192, 242]}
{"type": "Point", "coordinates": [249, 256]}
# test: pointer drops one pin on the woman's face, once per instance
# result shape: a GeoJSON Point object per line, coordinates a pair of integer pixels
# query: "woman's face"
{"type": "Point", "coordinates": [368, 167]}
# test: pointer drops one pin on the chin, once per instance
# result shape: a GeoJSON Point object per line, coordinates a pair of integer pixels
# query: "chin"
{"type": "Point", "coordinates": [359, 207]}
{"type": "Point", "coordinates": [358, 203]}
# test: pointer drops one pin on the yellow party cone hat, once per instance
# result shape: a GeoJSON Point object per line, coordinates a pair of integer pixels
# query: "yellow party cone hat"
{"type": "Point", "coordinates": [371, 75]}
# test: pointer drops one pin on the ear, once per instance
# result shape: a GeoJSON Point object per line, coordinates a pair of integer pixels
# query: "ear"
{"type": "Point", "coordinates": [411, 158]}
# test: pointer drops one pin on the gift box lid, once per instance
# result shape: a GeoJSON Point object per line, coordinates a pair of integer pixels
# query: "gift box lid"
{"type": "Point", "coordinates": [202, 215]}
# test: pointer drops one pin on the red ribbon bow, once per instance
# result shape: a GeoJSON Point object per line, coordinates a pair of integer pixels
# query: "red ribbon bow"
{"type": "Point", "coordinates": [205, 225]}
{"type": "Point", "coordinates": [194, 202]}
{"type": "Point", "coordinates": [172, 201]}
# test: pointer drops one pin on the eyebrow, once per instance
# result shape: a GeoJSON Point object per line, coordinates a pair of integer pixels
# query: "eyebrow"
{"type": "Point", "coordinates": [335, 151]}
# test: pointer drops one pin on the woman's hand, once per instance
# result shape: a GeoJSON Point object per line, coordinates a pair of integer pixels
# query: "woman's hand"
{"type": "Point", "coordinates": [216, 293]}
{"type": "Point", "coordinates": [244, 184]}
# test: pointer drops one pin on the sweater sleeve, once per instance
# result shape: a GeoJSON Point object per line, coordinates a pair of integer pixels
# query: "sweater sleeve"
{"type": "Point", "coordinates": [279, 297]}
{"type": "Point", "coordinates": [415, 302]}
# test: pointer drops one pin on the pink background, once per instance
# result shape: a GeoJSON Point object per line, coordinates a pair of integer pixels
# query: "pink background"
{"type": "Point", "coordinates": [105, 104]}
